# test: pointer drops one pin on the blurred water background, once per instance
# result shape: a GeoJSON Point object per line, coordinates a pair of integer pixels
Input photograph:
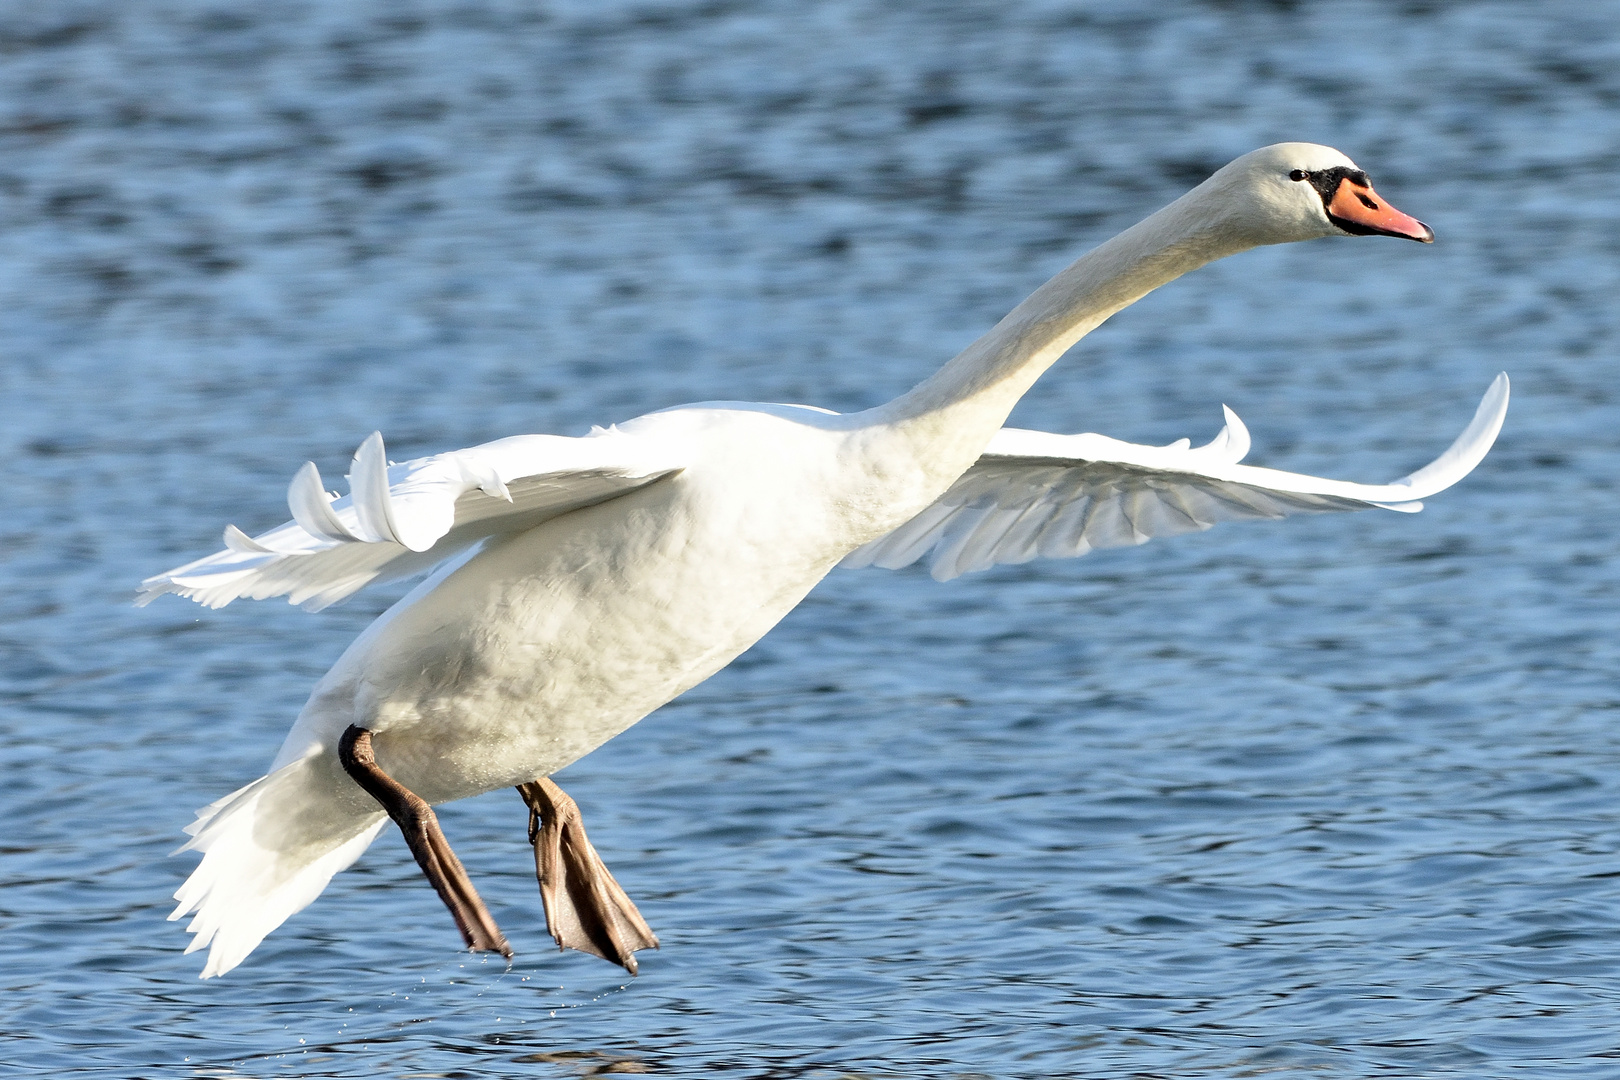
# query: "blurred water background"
{"type": "Point", "coordinates": [1328, 797]}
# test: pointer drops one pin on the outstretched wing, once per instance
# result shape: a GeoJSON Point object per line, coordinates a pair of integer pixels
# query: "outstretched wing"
{"type": "Point", "coordinates": [1037, 494]}
{"type": "Point", "coordinates": [399, 520]}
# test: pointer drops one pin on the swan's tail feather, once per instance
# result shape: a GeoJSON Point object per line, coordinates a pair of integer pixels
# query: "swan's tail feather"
{"type": "Point", "coordinates": [266, 856]}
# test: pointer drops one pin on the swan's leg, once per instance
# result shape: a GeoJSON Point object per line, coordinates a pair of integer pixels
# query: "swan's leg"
{"type": "Point", "coordinates": [420, 825]}
{"type": "Point", "coordinates": [585, 908]}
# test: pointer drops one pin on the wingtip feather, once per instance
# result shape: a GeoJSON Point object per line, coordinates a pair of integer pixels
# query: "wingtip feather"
{"type": "Point", "coordinates": [311, 506]}
{"type": "Point", "coordinates": [237, 540]}
{"type": "Point", "coordinates": [1469, 448]}
{"type": "Point", "coordinates": [1236, 432]}
{"type": "Point", "coordinates": [368, 492]}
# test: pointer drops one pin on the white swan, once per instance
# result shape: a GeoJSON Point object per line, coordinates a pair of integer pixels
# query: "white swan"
{"type": "Point", "coordinates": [581, 583]}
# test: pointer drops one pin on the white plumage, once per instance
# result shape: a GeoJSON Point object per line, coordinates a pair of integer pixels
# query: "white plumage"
{"type": "Point", "coordinates": [579, 583]}
{"type": "Point", "coordinates": [1033, 494]}
{"type": "Point", "coordinates": [399, 520]}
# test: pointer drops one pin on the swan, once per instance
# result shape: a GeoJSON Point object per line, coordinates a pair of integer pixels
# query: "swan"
{"type": "Point", "coordinates": [577, 584]}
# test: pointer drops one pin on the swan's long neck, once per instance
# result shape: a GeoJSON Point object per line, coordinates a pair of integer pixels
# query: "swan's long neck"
{"type": "Point", "coordinates": [960, 406]}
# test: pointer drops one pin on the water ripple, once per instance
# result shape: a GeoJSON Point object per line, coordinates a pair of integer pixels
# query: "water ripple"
{"type": "Point", "coordinates": [1330, 797]}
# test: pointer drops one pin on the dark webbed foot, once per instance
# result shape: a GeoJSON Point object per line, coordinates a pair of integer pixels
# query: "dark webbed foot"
{"type": "Point", "coordinates": [427, 842]}
{"type": "Point", "coordinates": [585, 908]}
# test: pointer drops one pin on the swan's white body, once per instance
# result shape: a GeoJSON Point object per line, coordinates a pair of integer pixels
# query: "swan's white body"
{"type": "Point", "coordinates": [582, 583]}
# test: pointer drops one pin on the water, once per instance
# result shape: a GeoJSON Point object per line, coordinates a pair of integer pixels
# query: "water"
{"type": "Point", "coordinates": [1332, 797]}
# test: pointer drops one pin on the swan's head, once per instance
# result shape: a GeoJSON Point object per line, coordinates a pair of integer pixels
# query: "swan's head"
{"type": "Point", "coordinates": [1300, 191]}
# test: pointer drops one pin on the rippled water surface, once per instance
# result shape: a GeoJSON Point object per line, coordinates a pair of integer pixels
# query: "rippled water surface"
{"type": "Point", "coordinates": [1328, 797]}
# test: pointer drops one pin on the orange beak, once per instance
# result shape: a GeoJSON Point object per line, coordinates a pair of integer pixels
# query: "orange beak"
{"type": "Point", "coordinates": [1356, 208]}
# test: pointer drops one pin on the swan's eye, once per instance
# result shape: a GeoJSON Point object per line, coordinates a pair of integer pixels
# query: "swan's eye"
{"type": "Point", "coordinates": [1299, 174]}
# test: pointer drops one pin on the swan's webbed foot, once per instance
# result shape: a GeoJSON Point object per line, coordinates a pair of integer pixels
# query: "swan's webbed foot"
{"type": "Point", "coordinates": [585, 908]}
{"type": "Point", "coordinates": [427, 842]}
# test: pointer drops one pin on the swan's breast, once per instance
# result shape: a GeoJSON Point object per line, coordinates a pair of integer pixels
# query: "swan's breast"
{"type": "Point", "coordinates": [549, 642]}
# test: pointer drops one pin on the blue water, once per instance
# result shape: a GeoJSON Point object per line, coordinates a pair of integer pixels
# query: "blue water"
{"type": "Point", "coordinates": [1331, 797]}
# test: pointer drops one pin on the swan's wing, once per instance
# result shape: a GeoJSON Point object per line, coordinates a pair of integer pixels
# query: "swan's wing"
{"type": "Point", "coordinates": [399, 520]}
{"type": "Point", "coordinates": [1036, 494]}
